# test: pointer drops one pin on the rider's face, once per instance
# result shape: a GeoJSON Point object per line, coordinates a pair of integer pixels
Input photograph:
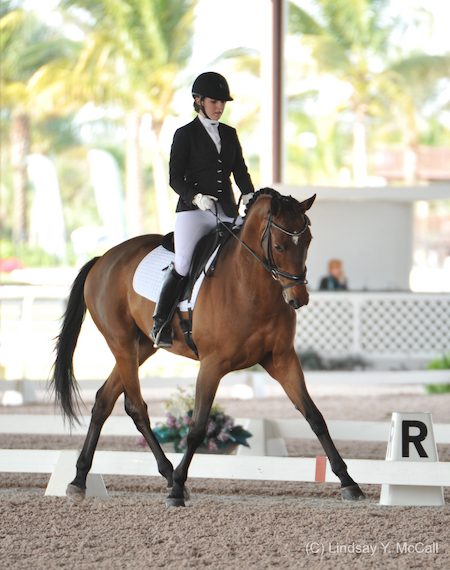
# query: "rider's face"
{"type": "Point", "coordinates": [213, 108]}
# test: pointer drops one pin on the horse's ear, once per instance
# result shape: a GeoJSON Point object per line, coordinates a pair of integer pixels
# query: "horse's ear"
{"type": "Point", "coordinates": [275, 205]}
{"type": "Point", "coordinates": [306, 204]}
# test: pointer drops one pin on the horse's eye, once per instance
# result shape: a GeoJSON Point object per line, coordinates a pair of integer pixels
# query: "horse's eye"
{"type": "Point", "coordinates": [278, 248]}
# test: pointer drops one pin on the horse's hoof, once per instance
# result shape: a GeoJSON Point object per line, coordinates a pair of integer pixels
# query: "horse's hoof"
{"type": "Point", "coordinates": [173, 502]}
{"type": "Point", "coordinates": [75, 494]}
{"type": "Point", "coordinates": [352, 493]}
{"type": "Point", "coordinates": [186, 494]}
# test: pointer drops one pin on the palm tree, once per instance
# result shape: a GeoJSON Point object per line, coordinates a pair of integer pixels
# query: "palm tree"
{"type": "Point", "coordinates": [26, 44]}
{"type": "Point", "coordinates": [354, 42]}
{"type": "Point", "coordinates": [132, 54]}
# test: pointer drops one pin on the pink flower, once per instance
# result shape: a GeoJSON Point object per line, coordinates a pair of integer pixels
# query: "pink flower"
{"type": "Point", "coordinates": [229, 423]}
{"type": "Point", "coordinates": [212, 445]}
{"type": "Point", "coordinates": [211, 427]}
{"type": "Point", "coordinates": [223, 436]}
{"type": "Point", "coordinates": [171, 422]}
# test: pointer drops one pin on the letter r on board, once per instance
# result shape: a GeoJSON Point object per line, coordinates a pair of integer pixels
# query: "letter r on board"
{"type": "Point", "coordinates": [407, 438]}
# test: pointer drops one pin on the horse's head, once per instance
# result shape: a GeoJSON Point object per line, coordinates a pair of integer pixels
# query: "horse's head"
{"type": "Point", "coordinates": [285, 238]}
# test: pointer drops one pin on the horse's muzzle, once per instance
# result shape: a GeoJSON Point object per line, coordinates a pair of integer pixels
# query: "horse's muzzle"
{"type": "Point", "coordinates": [296, 301]}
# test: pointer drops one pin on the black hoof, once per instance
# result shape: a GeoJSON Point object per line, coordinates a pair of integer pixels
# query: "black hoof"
{"type": "Point", "coordinates": [75, 494]}
{"type": "Point", "coordinates": [352, 493]}
{"type": "Point", "coordinates": [172, 502]}
{"type": "Point", "coordinates": [186, 494]}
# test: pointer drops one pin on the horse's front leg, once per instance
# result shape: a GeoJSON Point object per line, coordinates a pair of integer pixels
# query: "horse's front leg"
{"type": "Point", "coordinates": [288, 372]}
{"type": "Point", "coordinates": [207, 383]}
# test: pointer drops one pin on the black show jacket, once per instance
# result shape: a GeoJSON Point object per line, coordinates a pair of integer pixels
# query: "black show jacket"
{"type": "Point", "coordinates": [196, 166]}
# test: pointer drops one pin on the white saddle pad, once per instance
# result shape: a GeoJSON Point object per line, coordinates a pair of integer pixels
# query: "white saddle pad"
{"type": "Point", "coordinates": [150, 273]}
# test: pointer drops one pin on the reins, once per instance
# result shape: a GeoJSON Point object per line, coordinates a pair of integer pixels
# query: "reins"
{"type": "Point", "coordinates": [270, 266]}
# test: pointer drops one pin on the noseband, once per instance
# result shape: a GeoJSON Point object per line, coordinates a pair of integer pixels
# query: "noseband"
{"type": "Point", "coordinates": [271, 265]}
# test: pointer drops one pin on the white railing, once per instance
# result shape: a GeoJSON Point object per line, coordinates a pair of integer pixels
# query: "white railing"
{"type": "Point", "coordinates": [266, 459]}
{"type": "Point", "coordinates": [404, 328]}
{"type": "Point", "coordinates": [30, 319]}
{"type": "Point", "coordinates": [394, 330]}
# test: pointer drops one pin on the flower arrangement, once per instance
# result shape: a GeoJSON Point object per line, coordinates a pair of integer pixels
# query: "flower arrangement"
{"type": "Point", "coordinates": [221, 430]}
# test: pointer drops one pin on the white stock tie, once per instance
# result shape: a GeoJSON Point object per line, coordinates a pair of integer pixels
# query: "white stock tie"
{"type": "Point", "coordinates": [212, 128]}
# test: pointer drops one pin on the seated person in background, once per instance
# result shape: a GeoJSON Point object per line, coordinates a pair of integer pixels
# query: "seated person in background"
{"type": "Point", "coordinates": [335, 280]}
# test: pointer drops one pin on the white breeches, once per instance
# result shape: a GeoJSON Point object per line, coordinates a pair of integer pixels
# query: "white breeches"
{"type": "Point", "coordinates": [189, 228]}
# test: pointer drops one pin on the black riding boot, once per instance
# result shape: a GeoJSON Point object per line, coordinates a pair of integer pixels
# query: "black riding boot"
{"type": "Point", "coordinates": [171, 289]}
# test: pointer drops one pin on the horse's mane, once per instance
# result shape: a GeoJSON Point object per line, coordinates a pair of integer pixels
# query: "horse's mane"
{"type": "Point", "coordinates": [285, 200]}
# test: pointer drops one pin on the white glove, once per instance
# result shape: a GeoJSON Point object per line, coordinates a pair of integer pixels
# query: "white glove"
{"type": "Point", "coordinates": [246, 198]}
{"type": "Point", "coordinates": [204, 202]}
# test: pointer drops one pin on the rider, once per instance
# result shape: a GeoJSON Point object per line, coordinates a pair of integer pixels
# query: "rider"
{"type": "Point", "coordinates": [203, 156]}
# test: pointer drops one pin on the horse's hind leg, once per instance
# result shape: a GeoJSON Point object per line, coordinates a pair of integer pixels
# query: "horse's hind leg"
{"type": "Point", "coordinates": [105, 399]}
{"type": "Point", "coordinates": [136, 408]}
{"type": "Point", "coordinates": [104, 403]}
{"type": "Point", "coordinates": [288, 372]}
{"type": "Point", "coordinates": [135, 405]}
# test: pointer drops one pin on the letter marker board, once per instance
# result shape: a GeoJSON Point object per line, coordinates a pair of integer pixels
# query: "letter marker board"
{"type": "Point", "coordinates": [411, 438]}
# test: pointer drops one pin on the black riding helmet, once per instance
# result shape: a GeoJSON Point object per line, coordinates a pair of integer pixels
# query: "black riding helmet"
{"type": "Point", "coordinates": [212, 85]}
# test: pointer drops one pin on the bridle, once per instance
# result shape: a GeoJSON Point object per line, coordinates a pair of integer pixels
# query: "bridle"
{"type": "Point", "coordinates": [271, 265]}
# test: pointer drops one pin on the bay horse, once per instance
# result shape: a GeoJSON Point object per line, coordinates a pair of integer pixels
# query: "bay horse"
{"type": "Point", "coordinates": [244, 315]}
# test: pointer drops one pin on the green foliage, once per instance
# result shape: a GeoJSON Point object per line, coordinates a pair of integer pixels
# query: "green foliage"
{"type": "Point", "coordinates": [441, 363]}
{"type": "Point", "coordinates": [311, 360]}
{"type": "Point", "coordinates": [32, 256]}
{"type": "Point", "coordinates": [54, 134]}
{"type": "Point", "coordinates": [437, 388]}
{"type": "Point", "coordinates": [131, 57]}
{"type": "Point", "coordinates": [392, 90]}
{"type": "Point", "coordinates": [437, 134]}
{"type": "Point", "coordinates": [79, 206]}
{"type": "Point", "coordinates": [135, 50]}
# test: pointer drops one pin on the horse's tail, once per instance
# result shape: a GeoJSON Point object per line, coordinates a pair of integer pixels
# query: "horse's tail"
{"type": "Point", "coordinates": [63, 380]}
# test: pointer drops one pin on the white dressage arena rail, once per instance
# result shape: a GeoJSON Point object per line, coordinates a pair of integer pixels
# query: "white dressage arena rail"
{"type": "Point", "coordinates": [279, 428]}
{"type": "Point", "coordinates": [262, 468]}
{"type": "Point", "coordinates": [264, 460]}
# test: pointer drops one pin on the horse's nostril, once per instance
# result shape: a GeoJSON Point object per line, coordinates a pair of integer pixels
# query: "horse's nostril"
{"type": "Point", "coordinates": [295, 303]}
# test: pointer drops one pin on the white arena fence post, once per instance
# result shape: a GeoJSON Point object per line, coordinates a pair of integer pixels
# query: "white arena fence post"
{"type": "Point", "coordinates": [61, 477]}
{"type": "Point", "coordinates": [266, 439]}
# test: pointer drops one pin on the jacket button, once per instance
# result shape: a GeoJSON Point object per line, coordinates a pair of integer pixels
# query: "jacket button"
{"type": "Point", "coordinates": [219, 160]}
{"type": "Point", "coordinates": [219, 182]}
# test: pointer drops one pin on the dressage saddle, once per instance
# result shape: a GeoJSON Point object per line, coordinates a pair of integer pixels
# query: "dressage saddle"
{"type": "Point", "coordinates": [203, 251]}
